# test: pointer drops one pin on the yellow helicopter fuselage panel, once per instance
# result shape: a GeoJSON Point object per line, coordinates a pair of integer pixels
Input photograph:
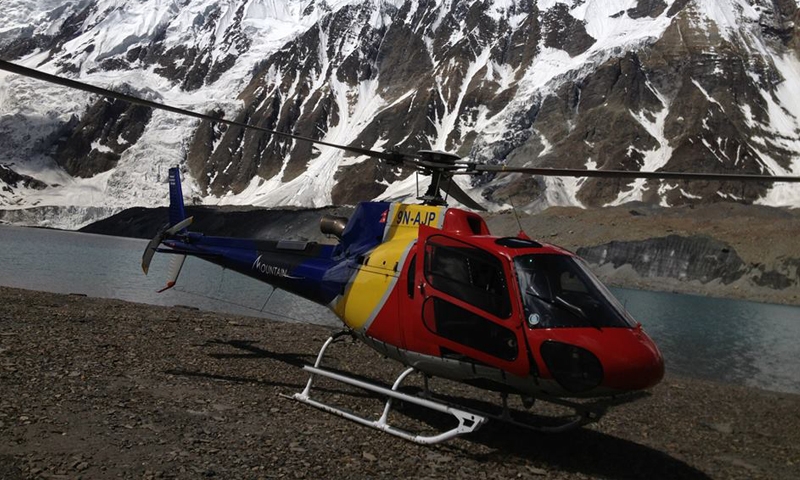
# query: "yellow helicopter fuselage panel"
{"type": "Point", "coordinates": [375, 279]}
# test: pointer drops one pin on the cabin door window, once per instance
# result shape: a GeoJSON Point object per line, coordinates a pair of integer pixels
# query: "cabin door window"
{"type": "Point", "coordinates": [467, 303]}
{"type": "Point", "coordinates": [468, 274]}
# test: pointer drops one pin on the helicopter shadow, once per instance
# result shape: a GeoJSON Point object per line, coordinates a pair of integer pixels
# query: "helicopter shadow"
{"type": "Point", "coordinates": [581, 451]}
{"type": "Point", "coordinates": [249, 351]}
{"type": "Point", "coordinates": [584, 451]}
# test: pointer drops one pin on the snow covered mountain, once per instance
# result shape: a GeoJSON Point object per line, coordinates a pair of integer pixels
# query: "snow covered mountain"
{"type": "Point", "coordinates": [683, 85]}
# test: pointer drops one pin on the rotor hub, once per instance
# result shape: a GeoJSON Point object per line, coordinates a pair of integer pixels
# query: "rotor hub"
{"type": "Point", "coordinates": [437, 158]}
{"type": "Point", "coordinates": [435, 163]}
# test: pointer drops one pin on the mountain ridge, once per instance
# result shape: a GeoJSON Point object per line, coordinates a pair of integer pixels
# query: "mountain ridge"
{"type": "Point", "coordinates": [682, 85]}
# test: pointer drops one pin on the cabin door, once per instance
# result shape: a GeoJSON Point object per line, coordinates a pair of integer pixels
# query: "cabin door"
{"type": "Point", "coordinates": [465, 304]}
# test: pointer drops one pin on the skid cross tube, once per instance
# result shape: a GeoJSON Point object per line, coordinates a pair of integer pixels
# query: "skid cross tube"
{"type": "Point", "coordinates": [582, 416]}
{"type": "Point", "coordinates": [467, 421]}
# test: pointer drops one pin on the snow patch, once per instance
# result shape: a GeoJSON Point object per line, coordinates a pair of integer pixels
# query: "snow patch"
{"type": "Point", "coordinates": [653, 159]}
{"type": "Point", "coordinates": [708, 97]}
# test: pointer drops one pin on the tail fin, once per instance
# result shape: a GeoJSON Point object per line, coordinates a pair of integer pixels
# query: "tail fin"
{"type": "Point", "coordinates": [176, 210]}
{"type": "Point", "coordinates": [177, 225]}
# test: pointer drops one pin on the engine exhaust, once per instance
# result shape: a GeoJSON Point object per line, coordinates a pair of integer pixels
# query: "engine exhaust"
{"type": "Point", "coordinates": [332, 225]}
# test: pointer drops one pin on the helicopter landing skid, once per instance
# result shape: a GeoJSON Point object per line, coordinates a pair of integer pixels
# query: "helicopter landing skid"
{"type": "Point", "coordinates": [583, 416]}
{"type": "Point", "coordinates": [584, 413]}
{"type": "Point", "coordinates": [467, 421]}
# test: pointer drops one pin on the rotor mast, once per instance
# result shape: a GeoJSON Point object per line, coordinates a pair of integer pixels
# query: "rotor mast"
{"type": "Point", "coordinates": [435, 163]}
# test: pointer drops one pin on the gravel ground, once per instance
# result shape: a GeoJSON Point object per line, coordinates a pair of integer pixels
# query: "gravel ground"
{"type": "Point", "coordinates": [96, 388]}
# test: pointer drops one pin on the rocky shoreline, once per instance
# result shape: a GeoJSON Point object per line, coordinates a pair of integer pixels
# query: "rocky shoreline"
{"type": "Point", "coordinates": [98, 388]}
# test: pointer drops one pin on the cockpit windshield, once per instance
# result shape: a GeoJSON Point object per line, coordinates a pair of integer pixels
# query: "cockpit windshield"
{"type": "Point", "coordinates": [560, 291]}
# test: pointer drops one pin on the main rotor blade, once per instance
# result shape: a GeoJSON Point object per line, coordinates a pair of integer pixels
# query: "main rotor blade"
{"type": "Point", "coordinates": [66, 82]}
{"type": "Point", "coordinates": [408, 159]}
{"type": "Point", "coordinates": [452, 189]}
{"type": "Point", "coordinates": [570, 172]}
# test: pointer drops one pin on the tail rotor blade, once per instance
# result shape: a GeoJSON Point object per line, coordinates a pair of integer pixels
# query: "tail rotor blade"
{"type": "Point", "coordinates": [147, 256]}
{"type": "Point", "coordinates": [174, 270]}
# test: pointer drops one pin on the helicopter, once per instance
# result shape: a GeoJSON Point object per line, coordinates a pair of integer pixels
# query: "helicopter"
{"type": "Point", "coordinates": [430, 287]}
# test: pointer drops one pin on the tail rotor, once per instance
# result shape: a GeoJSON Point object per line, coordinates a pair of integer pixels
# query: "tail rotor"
{"type": "Point", "coordinates": [178, 221]}
{"type": "Point", "coordinates": [147, 257]}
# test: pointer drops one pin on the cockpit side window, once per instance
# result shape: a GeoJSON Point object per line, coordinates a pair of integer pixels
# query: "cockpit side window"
{"type": "Point", "coordinates": [467, 273]}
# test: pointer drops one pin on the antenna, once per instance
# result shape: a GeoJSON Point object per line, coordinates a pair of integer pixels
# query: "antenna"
{"type": "Point", "coordinates": [521, 233]}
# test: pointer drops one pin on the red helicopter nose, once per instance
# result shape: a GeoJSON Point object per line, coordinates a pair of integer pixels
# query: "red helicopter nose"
{"type": "Point", "coordinates": [634, 363]}
{"type": "Point", "coordinates": [617, 359]}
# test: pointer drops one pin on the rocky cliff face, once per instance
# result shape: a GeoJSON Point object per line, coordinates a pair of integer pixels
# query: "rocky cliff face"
{"type": "Point", "coordinates": [95, 143]}
{"type": "Point", "coordinates": [683, 258]}
{"type": "Point", "coordinates": [12, 180]}
{"type": "Point", "coordinates": [679, 263]}
{"type": "Point", "coordinates": [703, 97]}
{"type": "Point", "coordinates": [683, 85]}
